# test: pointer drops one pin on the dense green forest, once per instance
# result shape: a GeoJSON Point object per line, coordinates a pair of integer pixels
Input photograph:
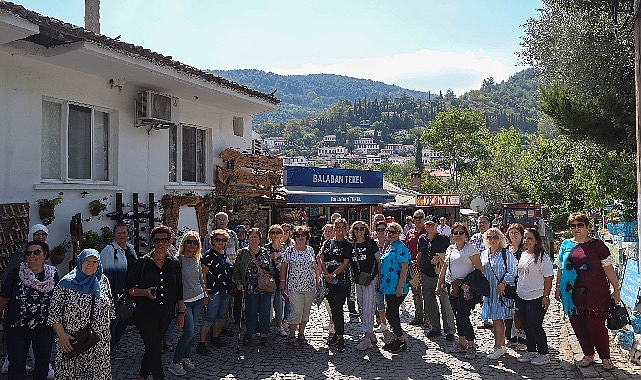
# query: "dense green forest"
{"type": "Point", "coordinates": [509, 103]}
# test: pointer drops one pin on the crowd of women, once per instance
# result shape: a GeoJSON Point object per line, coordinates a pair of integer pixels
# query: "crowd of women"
{"type": "Point", "coordinates": [511, 276]}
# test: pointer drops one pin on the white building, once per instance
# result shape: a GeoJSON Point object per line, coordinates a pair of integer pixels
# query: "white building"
{"type": "Point", "coordinates": [90, 116]}
{"type": "Point", "coordinates": [365, 145]}
{"type": "Point", "coordinates": [295, 161]}
{"type": "Point", "coordinates": [332, 151]}
{"type": "Point", "coordinates": [329, 140]}
{"type": "Point", "coordinates": [275, 143]}
{"type": "Point", "coordinates": [428, 155]}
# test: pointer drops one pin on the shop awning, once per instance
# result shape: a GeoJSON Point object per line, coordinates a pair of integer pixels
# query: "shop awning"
{"type": "Point", "coordinates": [309, 195]}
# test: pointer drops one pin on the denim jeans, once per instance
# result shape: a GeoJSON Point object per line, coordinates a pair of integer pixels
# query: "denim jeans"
{"type": "Point", "coordinates": [217, 307]}
{"type": "Point", "coordinates": [18, 341]}
{"type": "Point", "coordinates": [117, 328]}
{"type": "Point", "coordinates": [278, 305]}
{"type": "Point", "coordinates": [257, 313]}
{"type": "Point", "coordinates": [186, 341]}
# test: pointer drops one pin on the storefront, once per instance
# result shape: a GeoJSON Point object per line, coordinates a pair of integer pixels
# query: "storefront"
{"type": "Point", "coordinates": [314, 194]}
{"type": "Point", "coordinates": [438, 205]}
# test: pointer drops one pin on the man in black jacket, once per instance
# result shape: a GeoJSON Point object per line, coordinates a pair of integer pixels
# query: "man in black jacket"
{"type": "Point", "coordinates": [431, 250]}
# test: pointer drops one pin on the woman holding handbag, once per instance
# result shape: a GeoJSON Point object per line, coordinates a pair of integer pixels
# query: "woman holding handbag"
{"type": "Point", "coordinates": [81, 299]}
{"type": "Point", "coordinates": [365, 266]}
{"type": "Point", "coordinates": [461, 258]}
{"type": "Point", "coordinates": [299, 279]}
{"type": "Point", "coordinates": [251, 263]}
{"type": "Point", "coordinates": [590, 258]}
{"type": "Point", "coordinates": [534, 287]}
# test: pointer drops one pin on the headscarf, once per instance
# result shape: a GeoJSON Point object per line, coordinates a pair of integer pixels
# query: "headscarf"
{"type": "Point", "coordinates": [38, 227]}
{"type": "Point", "coordinates": [77, 280]}
{"type": "Point", "coordinates": [242, 243]}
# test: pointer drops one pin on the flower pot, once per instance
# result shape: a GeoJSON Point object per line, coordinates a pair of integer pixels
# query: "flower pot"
{"type": "Point", "coordinates": [45, 212]}
{"type": "Point", "coordinates": [167, 201]}
{"type": "Point", "coordinates": [94, 211]}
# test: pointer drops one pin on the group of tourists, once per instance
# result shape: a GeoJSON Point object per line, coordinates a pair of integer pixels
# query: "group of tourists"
{"type": "Point", "coordinates": [212, 284]}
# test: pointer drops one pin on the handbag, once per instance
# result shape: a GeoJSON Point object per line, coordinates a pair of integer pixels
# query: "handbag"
{"type": "Point", "coordinates": [126, 304]}
{"type": "Point", "coordinates": [455, 287]}
{"type": "Point", "coordinates": [510, 290]}
{"type": "Point", "coordinates": [618, 316]}
{"type": "Point", "coordinates": [364, 278]}
{"type": "Point", "coordinates": [266, 281]}
{"type": "Point", "coordinates": [85, 338]}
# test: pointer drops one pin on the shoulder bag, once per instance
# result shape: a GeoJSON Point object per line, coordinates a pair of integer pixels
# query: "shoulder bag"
{"type": "Point", "coordinates": [364, 278]}
{"type": "Point", "coordinates": [85, 338]}
{"type": "Point", "coordinates": [510, 290]}
{"type": "Point", "coordinates": [266, 281]}
{"type": "Point", "coordinates": [127, 304]}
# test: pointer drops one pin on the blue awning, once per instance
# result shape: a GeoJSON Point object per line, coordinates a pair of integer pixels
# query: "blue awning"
{"type": "Point", "coordinates": [308, 195]}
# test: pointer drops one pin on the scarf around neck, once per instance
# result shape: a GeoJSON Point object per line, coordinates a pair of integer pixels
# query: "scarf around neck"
{"type": "Point", "coordinates": [29, 278]}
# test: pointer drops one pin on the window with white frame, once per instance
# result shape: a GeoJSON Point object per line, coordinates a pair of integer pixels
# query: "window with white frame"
{"type": "Point", "coordinates": [75, 142]}
{"type": "Point", "coordinates": [187, 147]}
{"type": "Point", "coordinates": [239, 126]}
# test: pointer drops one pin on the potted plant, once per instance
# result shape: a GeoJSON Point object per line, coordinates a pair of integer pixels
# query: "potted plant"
{"type": "Point", "coordinates": [46, 208]}
{"type": "Point", "coordinates": [97, 206]}
{"type": "Point", "coordinates": [59, 252]}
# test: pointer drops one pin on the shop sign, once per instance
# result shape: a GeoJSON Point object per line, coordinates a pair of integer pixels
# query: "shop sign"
{"type": "Point", "coordinates": [328, 177]}
{"type": "Point", "coordinates": [438, 200]}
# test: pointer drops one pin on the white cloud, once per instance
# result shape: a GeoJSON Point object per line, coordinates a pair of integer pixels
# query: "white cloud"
{"type": "Point", "coordinates": [419, 70]}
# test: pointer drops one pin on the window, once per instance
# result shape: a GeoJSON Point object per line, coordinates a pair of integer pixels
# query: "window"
{"type": "Point", "coordinates": [239, 126]}
{"type": "Point", "coordinates": [80, 133]}
{"type": "Point", "coordinates": [188, 155]}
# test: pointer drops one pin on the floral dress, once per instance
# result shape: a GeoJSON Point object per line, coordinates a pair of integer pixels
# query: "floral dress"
{"type": "Point", "coordinates": [72, 310]}
{"type": "Point", "coordinates": [301, 276]}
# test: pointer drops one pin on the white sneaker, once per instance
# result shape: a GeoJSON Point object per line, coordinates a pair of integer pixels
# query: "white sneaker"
{"type": "Point", "coordinates": [177, 369]}
{"type": "Point", "coordinates": [188, 365]}
{"type": "Point", "coordinates": [521, 347]}
{"type": "Point", "coordinates": [541, 359]}
{"type": "Point", "coordinates": [526, 357]}
{"type": "Point", "coordinates": [50, 374]}
{"type": "Point", "coordinates": [281, 331]}
{"type": "Point", "coordinates": [364, 344]}
{"type": "Point", "coordinates": [5, 366]}
{"type": "Point", "coordinates": [498, 352]}
{"type": "Point", "coordinates": [382, 328]}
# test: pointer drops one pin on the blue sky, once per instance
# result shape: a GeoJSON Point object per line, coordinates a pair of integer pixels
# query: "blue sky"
{"type": "Point", "coordinates": [417, 44]}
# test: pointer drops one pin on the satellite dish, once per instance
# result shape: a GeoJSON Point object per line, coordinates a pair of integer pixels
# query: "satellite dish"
{"type": "Point", "coordinates": [477, 205]}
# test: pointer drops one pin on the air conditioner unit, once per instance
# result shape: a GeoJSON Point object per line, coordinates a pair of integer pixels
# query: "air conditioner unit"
{"type": "Point", "coordinates": [153, 108]}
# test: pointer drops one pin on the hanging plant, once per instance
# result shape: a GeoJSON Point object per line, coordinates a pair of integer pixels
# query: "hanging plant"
{"type": "Point", "coordinates": [97, 206]}
{"type": "Point", "coordinates": [59, 252]}
{"type": "Point", "coordinates": [46, 208]}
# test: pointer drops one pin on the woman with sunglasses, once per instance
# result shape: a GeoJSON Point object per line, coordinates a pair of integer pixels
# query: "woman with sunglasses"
{"type": "Point", "coordinates": [156, 282]}
{"type": "Point", "coordinates": [29, 287]}
{"type": "Point", "coordinates": [189, 253]}
{"type": "Point", "coordinates": [276, 249]}
{"type": "Point", "coordinates": [299, 278]}
{"type": "Point", "coordinates": [534, 287]}
{"type": "Point", "coordinates": [380, 239]}
{"type": "Point", "coordinates": [583, 281]}
{"type": "Point", "coordinates": [257, 301]}
{"type": "Point", "coordinates": [365, 267]}
{"type": "Point", "coordinates": [328, 234]}
{"type": "Point", "coordinates": [395, 284]}
{"type": "Point", "coordinates": [461, 258]}
{"type": "Point", "coordinates": [217, 271]}
{"type": "Point", "coordinates": [335, 258]}
{"type": "Point", "coordinates": [499, 267]}
{"type": "Point", "coordinates": [514, 237]}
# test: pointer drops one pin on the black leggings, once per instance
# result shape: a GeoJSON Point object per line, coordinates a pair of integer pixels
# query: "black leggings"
{"type": "Point", "coordinates": [152, 328]}
{"type": "Point", "coordinates": [462, 309]}
{"type": "Point", "coordinates": [336, 297]}
{"type": "Point", "coordinates": [392, 312]}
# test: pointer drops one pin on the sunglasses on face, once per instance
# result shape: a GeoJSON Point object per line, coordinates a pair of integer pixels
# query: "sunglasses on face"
{"type": "Point", "coordinates": [392, 232]}
{"type": "Point", "coordinates": [458, 232]}
{"type": "Point", "coordinates": [35, 252]}
{"type": "Point", "coordinates": [576, 225]}
{"type": "Point", "coordinates": [160, 240]}
{"type": "Point", "coordinates": [195, 242]}
{"type": "Point", "coordinates": [40, 234]}
{"type": "Point", "coordinates": [296, 236]}
{"type": "Point", "coordinates": [359, 228]}
{"type": "Point", "coordinates": [286, 231]}
{"type": "Point", "coordinates": [492, 237]}
{"type": "Point", "coordinates": [220, 240]}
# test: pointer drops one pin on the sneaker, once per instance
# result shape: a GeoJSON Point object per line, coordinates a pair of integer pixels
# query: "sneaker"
{"type": "Point", "coordinates": [401, 346]}
{"type": "Point", "coordinates": [526, 357]}
{"type": "Point", "coordinates": [520, 347]}
{"type": "Point", "coordinates": [340, 345]}
{"type": "Point", "coordinates": [381, 328]}
{"type": "Point", "coordinates": [449, 337]}
{"type": "Point", "coordinates": [498, 352]}
{"type": "Point", "coordinates": [458, 348]}
{"type": "Point", "coordinates": [50, 375]}
{"type": "Point", "coordinates": [392, 345]}
{"type": "Point", "coordinates": [541, 359]}
{"type": "Point", "coordinates": [201, 349]}
{"type": "Point", "coordinates": [264, 341]}
{"type": "Point", "coordinates": [470, 352]}
{"type": "Point", "coordinates": [177, 369]}
{"type": "Point", "coordinates": [364, 344]}
{"type": "Point", "coordinates": [188, 365]}
{"type": "Point", "coordinates": [417, 322]}
{"type": "Point", "coordinates": [281, 331]}
{"type": "Point", "coordinates": [333, 340]}
{"type": "Point", "coordinates": [217, 342]}
{"type": "Point", "coordinates": [5, 366]}
{"type": "Point", "coordinates": [329, 326]}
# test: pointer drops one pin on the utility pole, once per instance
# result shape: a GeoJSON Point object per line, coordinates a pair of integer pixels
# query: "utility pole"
{"type": "Point", "coordinates": [637, 82]}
